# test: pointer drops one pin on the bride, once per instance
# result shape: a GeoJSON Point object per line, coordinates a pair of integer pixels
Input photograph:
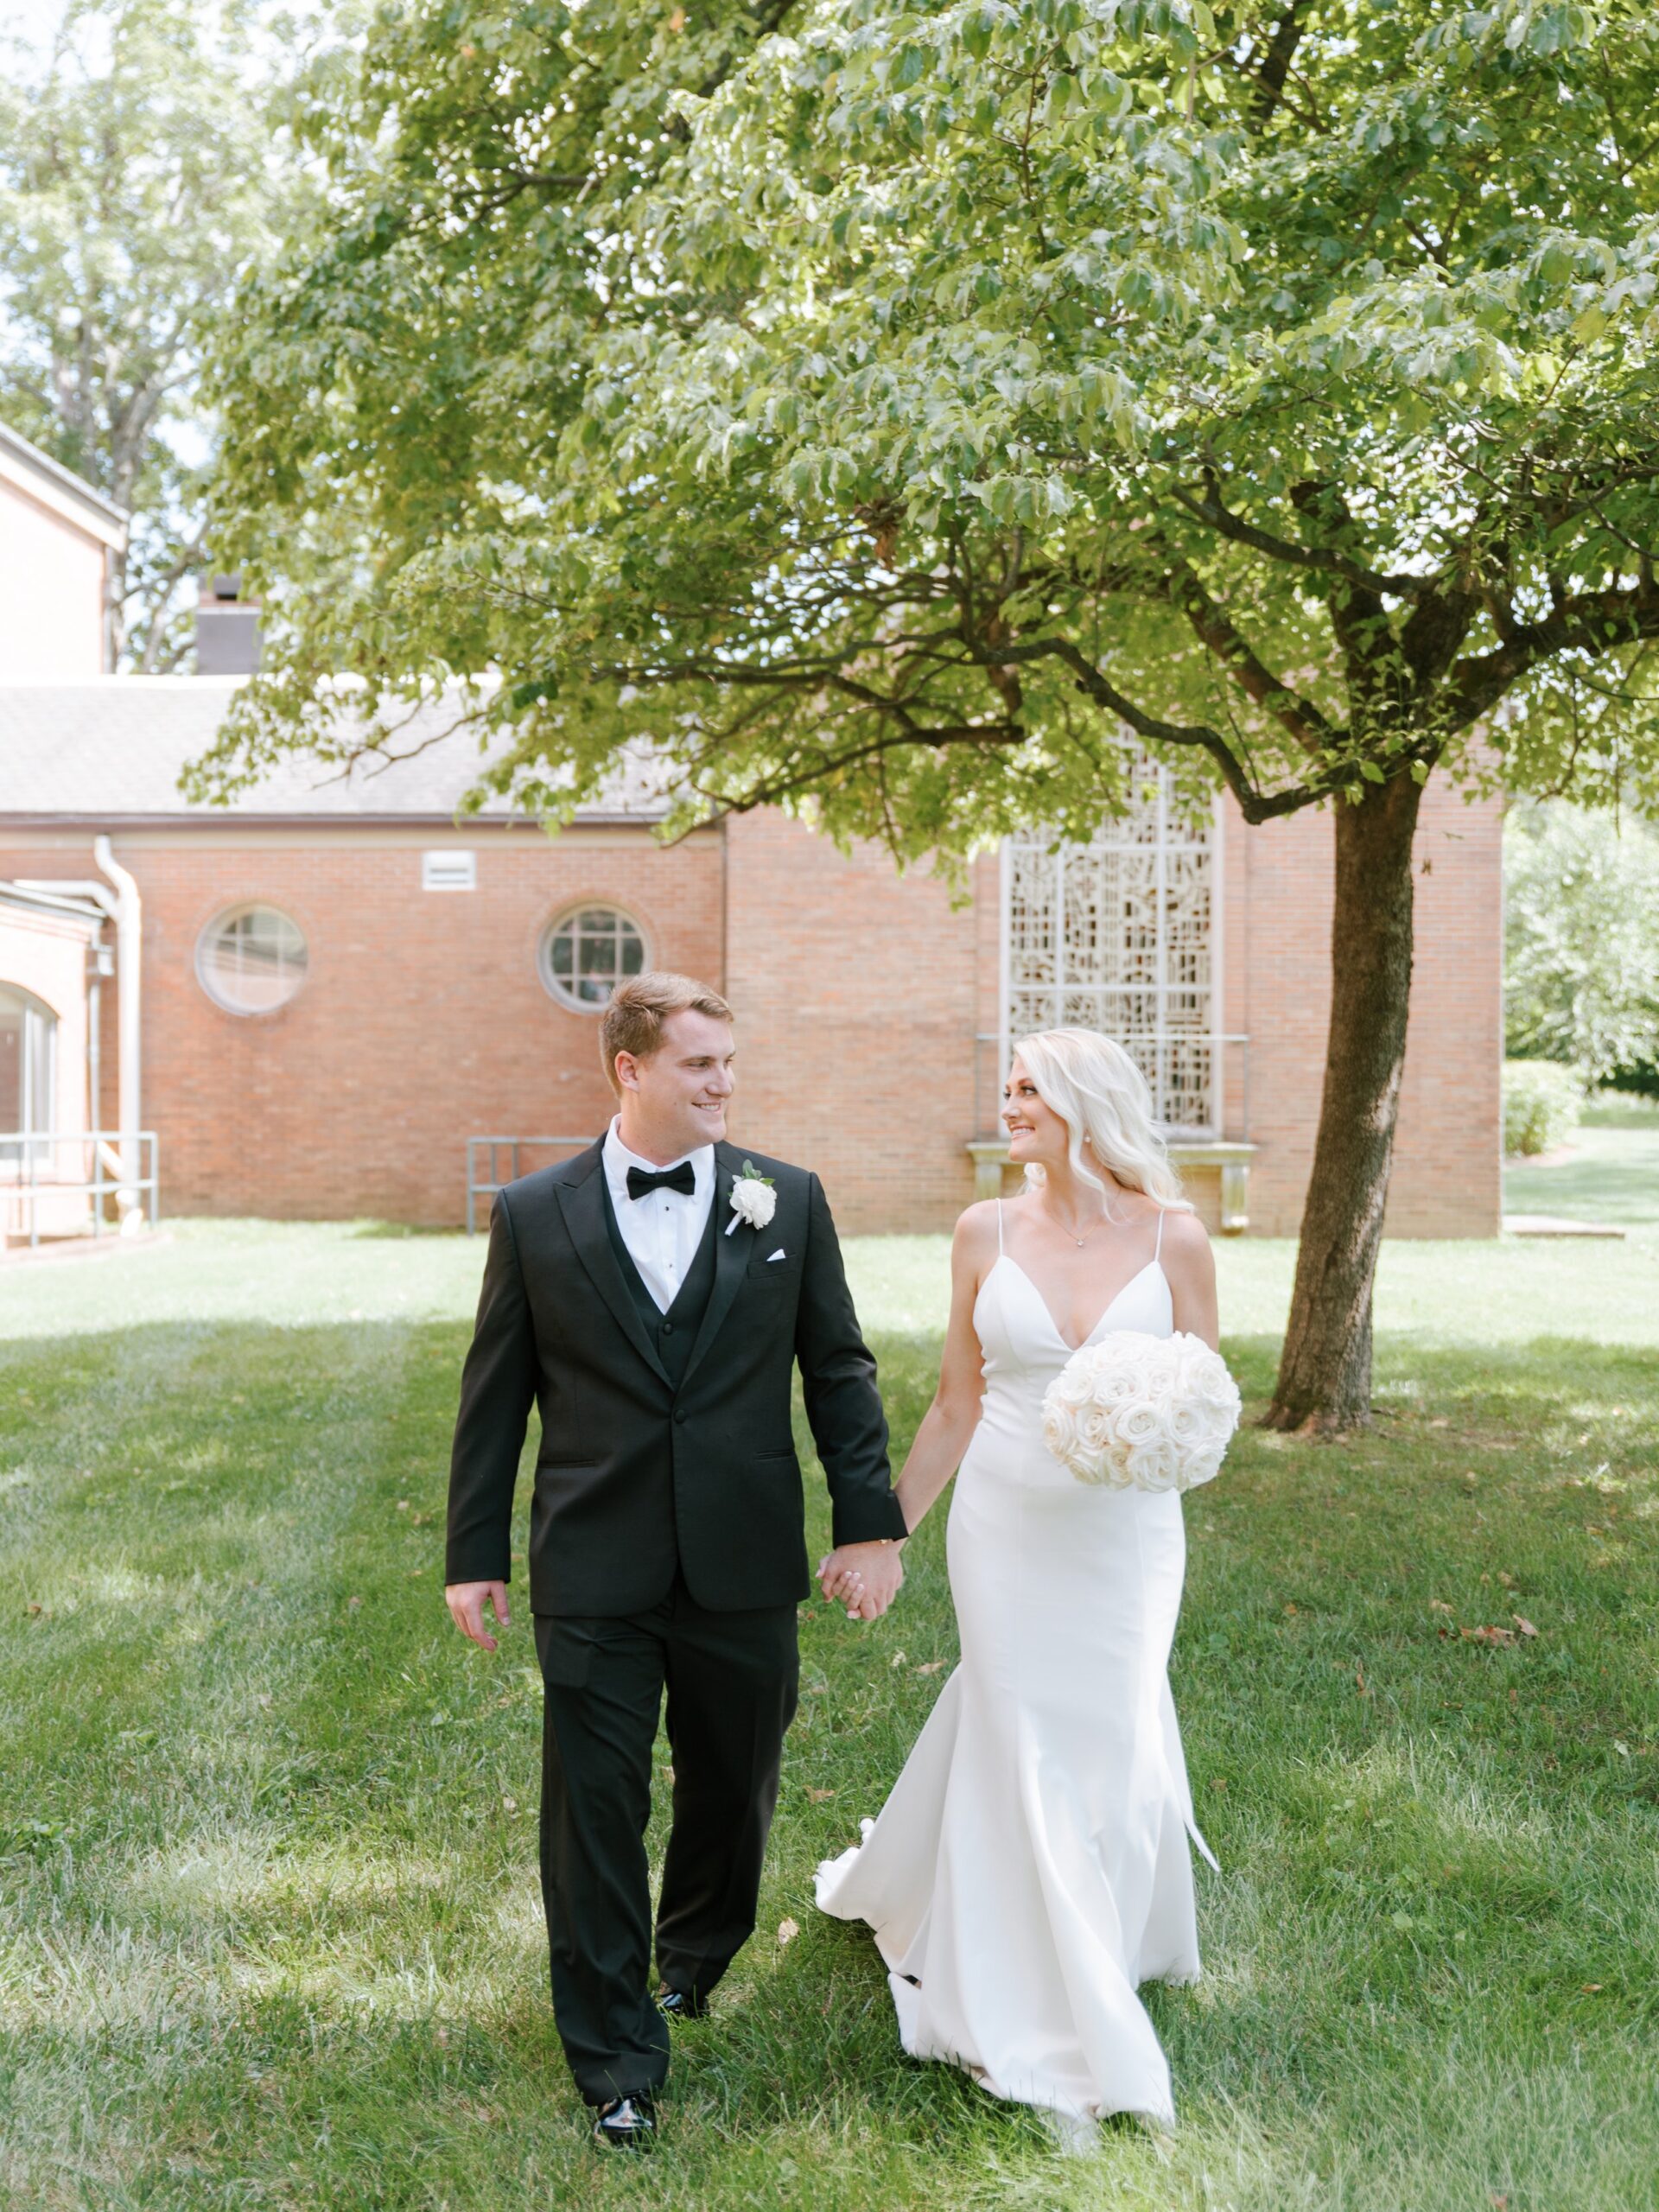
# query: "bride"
{"type": "Point", "coordinates": [1030, 1867]}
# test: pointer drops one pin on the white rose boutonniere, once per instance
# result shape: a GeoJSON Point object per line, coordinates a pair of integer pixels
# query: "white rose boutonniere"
{"type": "Point", "coordinates": [754, 1200]}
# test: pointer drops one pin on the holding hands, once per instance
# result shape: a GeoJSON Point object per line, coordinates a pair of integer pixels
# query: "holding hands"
{"type": "Point", "coordinates": [865, 1577]}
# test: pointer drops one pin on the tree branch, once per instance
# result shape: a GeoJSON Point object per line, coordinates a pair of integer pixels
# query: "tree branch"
{"type": "Point", "coordinates": [1215, 631]}
{"type": "Point", "coordinates": [1276, 63]}
{"type": "Point", "coordinates": [1589, 622]}
{"type": "Point", "coordinates": [1323, 558]}
{"type": "Point", "coordinates": [1254, 804]}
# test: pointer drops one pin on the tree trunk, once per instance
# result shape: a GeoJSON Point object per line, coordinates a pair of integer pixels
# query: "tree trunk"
{"type": "Point", "coordinates": [1324, 1374]}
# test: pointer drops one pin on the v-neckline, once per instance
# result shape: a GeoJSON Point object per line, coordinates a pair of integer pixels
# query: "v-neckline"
{"type": "Point", "coordinates": [1106, 1313]}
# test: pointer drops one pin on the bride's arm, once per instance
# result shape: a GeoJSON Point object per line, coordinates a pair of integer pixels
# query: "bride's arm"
{"type": "Point", "coordinates": [950, 1421]}
{"type": "Point", "coordinates": [951, 1418]}
{"type": "Point", "coordinates": [1189, 1270]}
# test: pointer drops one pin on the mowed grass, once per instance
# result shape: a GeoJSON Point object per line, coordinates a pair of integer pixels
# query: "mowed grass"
{"type": "Point", "coordinates": [271, 1935]}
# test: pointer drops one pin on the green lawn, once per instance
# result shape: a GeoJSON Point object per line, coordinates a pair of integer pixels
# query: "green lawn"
{"type": "Point", "coordinates": [1611, 1173]}
{"type": "Point", "coordinates": [271, 1935]}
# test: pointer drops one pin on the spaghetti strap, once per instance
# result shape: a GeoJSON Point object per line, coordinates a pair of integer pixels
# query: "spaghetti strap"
{"type": "Point", "coordinates": [1157, 1248]}
{"type": "Point", "coordinates": [999, 1228]}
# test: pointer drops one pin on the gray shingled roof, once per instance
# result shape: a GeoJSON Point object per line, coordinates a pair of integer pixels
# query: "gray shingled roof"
{"type": "Point", "coordinates": [111, 750]}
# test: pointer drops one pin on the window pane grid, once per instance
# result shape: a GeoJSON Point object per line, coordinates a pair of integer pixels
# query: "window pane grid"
{"type": "Point", "coordinates": [587, 953]}
{"type": "Point", "coordinates": [1116, 935]}
{"type": "Point", "coordinates": [253, 962]}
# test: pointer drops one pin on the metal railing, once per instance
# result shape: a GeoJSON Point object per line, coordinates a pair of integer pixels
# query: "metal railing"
{"type": "Point", "coordinates": [29, 1173]}
{"type": "Point", "coordinates": [486, 1186]}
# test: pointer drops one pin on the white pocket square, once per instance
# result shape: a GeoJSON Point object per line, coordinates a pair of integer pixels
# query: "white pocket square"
{"type": "Point", "coordinates": [778, 1254]}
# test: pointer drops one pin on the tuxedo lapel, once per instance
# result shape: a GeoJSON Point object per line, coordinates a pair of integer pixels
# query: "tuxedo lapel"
{"type": "Point", "coordinates": [731, 1256]}
{"type": "Point", "coordinates": [582, 1203]}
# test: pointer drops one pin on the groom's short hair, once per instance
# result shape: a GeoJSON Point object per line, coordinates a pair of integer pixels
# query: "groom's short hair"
{"type": "Point", "coordinates": [634, 1020]}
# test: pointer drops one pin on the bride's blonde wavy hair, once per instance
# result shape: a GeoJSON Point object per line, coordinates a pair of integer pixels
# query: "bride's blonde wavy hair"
{"type": "Point", "coordinates": [1098, 1092]}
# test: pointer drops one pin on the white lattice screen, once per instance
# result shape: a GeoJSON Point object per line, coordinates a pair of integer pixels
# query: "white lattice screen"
{"type": "Point", "coordinates": [1118, 935]}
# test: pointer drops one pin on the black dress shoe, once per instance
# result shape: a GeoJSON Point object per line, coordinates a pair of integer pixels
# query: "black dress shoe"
{"type": "Point", "coordinates": [627, 2123]}
{"type": "Point", "coordinates": [681, 2005]}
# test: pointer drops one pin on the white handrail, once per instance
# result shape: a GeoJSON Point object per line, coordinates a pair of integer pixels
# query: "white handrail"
{"type": "Point", "coordinates": [124, 1167]}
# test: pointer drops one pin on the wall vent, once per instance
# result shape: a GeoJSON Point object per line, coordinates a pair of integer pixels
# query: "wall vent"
{"type": "Point", "coordinates": [448, 871]}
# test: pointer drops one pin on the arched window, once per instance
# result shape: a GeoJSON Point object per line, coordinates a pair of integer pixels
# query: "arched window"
{"type": "Point", "coordinates": [28, 1057]}
{"type": "Point", "coordinates": [587, 952]}
{"type": "Point", "coordinates": [252, 960]}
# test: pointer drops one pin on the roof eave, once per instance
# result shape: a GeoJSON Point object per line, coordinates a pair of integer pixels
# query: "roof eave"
{"type": "Point", "coordinates": [40, 477]}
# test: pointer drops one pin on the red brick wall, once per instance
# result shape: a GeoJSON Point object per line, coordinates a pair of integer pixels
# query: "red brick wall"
{"type": "Point", "coordinates": [858, 996]}
{"type": "Point", "coordinates": [422, 1021]}
{"type": "Point", "coordinates": [1277, 920]}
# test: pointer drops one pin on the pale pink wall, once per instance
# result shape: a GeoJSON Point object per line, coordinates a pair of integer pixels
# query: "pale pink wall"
{"type": "Point", "coordinates": [51, 594]}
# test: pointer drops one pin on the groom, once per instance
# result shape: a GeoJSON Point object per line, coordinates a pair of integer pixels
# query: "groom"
{"type": "Point", "coordinates": [654, 1318]}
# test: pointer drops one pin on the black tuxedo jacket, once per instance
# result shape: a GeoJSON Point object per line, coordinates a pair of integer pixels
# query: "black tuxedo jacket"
{"type": "Point", "coordinates": [635, 1474]}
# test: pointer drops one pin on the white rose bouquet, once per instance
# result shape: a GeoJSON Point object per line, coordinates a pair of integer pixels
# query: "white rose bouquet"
{"type": "Point", "coordinates": [1143, 1413]}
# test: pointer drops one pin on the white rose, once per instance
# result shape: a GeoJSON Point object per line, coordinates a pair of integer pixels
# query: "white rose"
{"type": "Point", "coordinates": [753, 1201]}
{"type": "Point", "coordinates": [1096, 1429]}
{"type": "Point", "coordinates": [1154, 1467]}
{"type": "Point", "coordinates": [1140, 1422]}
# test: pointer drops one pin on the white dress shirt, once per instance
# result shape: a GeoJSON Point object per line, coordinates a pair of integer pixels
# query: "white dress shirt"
{"type": "Point", "coordinates": [661, 1231]}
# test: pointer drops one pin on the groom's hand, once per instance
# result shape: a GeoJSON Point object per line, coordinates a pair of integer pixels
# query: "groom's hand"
{"type": "Point", "coordinates": [466, 1600]}
{"type": "Point", "coordinates": [865, 1577]}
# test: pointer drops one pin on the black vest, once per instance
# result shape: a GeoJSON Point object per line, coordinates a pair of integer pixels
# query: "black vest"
{"type": "Point", "coordinates": [672, 1334]}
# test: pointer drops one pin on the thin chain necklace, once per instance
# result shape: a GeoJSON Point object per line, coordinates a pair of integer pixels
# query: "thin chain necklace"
{"type": "Point", "coordinates": [1080, 1241]}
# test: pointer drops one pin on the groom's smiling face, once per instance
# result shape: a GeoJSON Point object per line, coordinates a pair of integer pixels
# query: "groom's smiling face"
{"type": "Point", "coordinates": [674, 1099]}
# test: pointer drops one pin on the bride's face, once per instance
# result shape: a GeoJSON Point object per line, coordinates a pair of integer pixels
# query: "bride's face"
{"type": "Point", "coordinates": [1036, 1132]}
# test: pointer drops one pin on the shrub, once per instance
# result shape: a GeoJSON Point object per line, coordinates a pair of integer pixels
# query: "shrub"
{"type": "Point", "coordinates": [1541, 1102]}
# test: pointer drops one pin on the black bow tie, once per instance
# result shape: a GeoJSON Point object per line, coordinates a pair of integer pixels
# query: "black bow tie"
{"type": "Point", "coordinates": [641, 1183]}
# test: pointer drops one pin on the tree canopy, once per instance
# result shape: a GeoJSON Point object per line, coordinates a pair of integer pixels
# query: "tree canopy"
{"type": "Point", "coordinates": [890, 404]}
{"type": "Point", "coordinates": [882, 408]}
{"type": "Point", "coordinates": [140, 176]}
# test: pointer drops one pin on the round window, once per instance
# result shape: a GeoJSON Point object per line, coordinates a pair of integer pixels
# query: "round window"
{"type": "Point", "coordinates": [587, 952]}
{"type": "Point", "coordinates": [251, 961]}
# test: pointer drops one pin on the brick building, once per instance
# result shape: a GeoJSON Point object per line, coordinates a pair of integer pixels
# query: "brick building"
{"type": "Point", "coordinates": [332, 986]}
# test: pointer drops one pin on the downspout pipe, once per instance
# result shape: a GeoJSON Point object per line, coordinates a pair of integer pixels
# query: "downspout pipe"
{"type": "Point", "coordinates": [129, 945]}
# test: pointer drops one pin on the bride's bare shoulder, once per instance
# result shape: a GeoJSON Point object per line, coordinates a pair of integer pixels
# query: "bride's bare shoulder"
{"type": "Point", "coordinates": [1186, 1240]}
{"type": "Point", "coordinates": [976, 1228]}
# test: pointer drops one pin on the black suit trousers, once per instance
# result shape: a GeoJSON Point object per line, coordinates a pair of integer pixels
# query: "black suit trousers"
{"type": "Point", "coordinates": [731, 1680]}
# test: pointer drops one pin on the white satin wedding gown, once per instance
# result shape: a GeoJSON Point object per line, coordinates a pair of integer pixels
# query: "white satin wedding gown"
{"type": "Point", "coordinates": [1031, 1868]}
